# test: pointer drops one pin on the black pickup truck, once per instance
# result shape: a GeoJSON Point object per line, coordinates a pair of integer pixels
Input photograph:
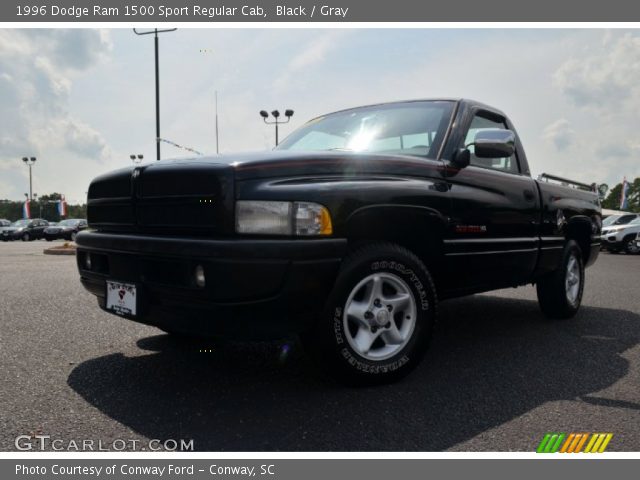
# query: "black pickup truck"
{"type": "Point", "coordinates": [349, 233]}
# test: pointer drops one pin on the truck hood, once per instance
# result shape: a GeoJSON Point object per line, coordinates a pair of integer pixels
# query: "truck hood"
{"type": "Point", "coordinates": [275, 163]}
{"type": "Point", "coordinates": [197, 195]}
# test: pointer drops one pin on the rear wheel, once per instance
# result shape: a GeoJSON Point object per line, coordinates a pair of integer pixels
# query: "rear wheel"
{"type": "Point", "coordinates": [26, 237]}
{"type": "Point", "coordinates": [560, 292]}
{"type": "Point", "coordinates": [73, 236]}
{"type": "Point", "coordinates": [378, 318]}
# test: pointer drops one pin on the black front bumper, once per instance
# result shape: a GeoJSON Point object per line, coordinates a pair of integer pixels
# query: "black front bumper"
{"type": "Point", "coordinates": [10, 235]}
{"type": "Point", "coordinates": [57, 235]}
{"type": "Point", "coordinates": [253, 288]}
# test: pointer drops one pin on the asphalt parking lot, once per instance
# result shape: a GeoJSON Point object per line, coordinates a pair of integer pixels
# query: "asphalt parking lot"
{"type": "Point", "coordinates": [497, 376]}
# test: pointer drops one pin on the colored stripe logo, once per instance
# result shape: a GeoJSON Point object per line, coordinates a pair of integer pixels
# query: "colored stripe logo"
{"type": "Point", "coordinates": [574, 442]}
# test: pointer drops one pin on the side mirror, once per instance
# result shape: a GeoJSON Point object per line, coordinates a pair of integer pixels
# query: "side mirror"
{"type": "Point", "coordinates": [461, 158]}
{"type": "Point", "coordinates": [494, 143]}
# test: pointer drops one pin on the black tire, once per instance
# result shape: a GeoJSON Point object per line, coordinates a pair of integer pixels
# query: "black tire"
{"type": "Point", "coordinates": [630, 247]}
{"type": "Point", "coordinates": [49, 239]}
{"type": "Point", "coordinates": [72, 237]}
{"type": "Point", "coordinates": [554, 298]}
{"type": "Point", "coordinates": [26, 237]}
{"type": "Point", "coordinates": [330, 343]}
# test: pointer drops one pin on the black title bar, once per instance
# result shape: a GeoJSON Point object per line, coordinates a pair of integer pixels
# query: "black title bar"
{"type": "Point", "coordinates": [173, 11]}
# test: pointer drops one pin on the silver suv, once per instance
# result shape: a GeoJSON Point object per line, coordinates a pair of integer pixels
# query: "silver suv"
{"type": "Point", "coordinates": [621, 233]}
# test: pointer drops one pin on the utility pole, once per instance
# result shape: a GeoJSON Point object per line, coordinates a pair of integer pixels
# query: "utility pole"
{"type": "Point", "coordinates": [155, 31]}
{"type": "Point", "coordinates": [217, 139]}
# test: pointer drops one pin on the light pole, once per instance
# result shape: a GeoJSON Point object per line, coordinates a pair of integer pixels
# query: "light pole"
{"type": "Point", "coordinates": [35, 199]}
{"type": "Point", "coordinates": [136, 158]}
{"type": "Point", "coordinates": [276, 114]}
{"type": "Point", "coordinates": [29, 161]}
{"type": "Point", "coordinates": [155, 31]}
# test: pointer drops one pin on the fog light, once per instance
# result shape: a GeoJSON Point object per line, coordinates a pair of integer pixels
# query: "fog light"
{"type": "Point", "coordinates": [200, 280]}
{"type": "Point", "coordinates": [87, 261]}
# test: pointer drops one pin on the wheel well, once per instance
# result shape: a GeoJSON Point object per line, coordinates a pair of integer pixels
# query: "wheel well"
{"type": "Point", "coordinates": [418, 230]}
{"type": "Point", "coordinates": [581, 233]}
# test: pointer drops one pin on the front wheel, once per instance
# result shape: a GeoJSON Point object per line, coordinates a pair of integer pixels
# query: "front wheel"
{"type": "Point", "coordinates": [26, 237]}
{"type": "Point", "coordinates": [630, 245]}
{"type": "Point", "coordinates": [378, 318]}
{"type": "Point", "coordinates": [560, 292]}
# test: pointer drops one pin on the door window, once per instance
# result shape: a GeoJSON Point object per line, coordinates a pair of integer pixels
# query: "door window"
{"type": "Point", "coordinates": [479, 123]}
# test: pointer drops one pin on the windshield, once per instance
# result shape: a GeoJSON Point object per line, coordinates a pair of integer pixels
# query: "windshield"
{"type": "Point", "coordinates": [68, 223]}
{"type": "Point", "coordinates": [411, 128]}
{"type": "Point", "coordinates": [20, 223]}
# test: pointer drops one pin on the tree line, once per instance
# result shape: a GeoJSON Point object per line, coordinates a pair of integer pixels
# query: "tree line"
{"type": "Point", "coordinates": [45, 206]}
{"type": "Point", "coordinates": [612, 200]}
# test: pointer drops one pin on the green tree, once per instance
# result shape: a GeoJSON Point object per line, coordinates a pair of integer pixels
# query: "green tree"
{"type": "Point", "coordinates": [46, 206]}
{"type": "Point", "coordinates": [633, 195]}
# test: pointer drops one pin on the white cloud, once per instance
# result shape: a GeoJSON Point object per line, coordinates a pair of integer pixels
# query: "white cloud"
{"type": "Point", "coordinates": [606, 75]}
{"type": "Point", "coordinates": [560, 134]}
{"type": "Point", "coordinates": [313, 54]}
{"type": "Point", "coordinates": [37, 71]}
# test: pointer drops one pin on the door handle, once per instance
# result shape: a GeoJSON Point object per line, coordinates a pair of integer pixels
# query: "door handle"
{"type": "Point", "coordinates": [529, 196]}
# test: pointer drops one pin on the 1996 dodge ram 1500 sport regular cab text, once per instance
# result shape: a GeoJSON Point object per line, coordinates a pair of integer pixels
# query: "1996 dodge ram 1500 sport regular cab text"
{"type": "Point", "coordinates": [349, 233]}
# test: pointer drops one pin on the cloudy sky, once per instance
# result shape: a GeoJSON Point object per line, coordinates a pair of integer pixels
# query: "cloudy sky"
{"type": "Point", "coordinates": [82, 100]}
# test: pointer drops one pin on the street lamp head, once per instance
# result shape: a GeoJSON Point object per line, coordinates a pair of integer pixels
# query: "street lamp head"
{"type": "Point", "coordinates": [140, 156]}
{"type": "Point", "coordinates": [26, 195]}
{"type": "Point", "coordinates": [33, 159]}
{"type": "Point", "coordinates": [25, 159]}
{"type": "Point", "coordinates": [275, 114]}
{"type": "Point", "coordinates": [263, 114]}
{"type": "Point", "coordinates": [132, 157]}
{"type": "Point", "coordinates": [288, 113]}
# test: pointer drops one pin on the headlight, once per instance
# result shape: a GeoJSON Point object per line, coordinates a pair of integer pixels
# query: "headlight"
{"type": "Point", "coordinates": [282, 218]}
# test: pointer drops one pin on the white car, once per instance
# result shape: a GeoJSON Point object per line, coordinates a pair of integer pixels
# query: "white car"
{"type": "Point", "coordinates": [618, 237]}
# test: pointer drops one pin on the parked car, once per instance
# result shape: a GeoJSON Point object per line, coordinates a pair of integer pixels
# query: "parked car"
{"type": "Point", "coordinates": [619, 238]}
{"type": "Point", "coordinates": [26, 230]}
{"type": "Point", "coordinates": [349, 233]}
{"type": "Point", "coordinates": [617, 220]}
{"type": "Point", "coordinates": [4, 222]}
{"type": "Point", "coordinates": [67, 229]}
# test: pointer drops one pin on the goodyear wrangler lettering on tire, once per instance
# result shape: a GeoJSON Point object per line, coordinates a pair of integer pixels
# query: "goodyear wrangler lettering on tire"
{"type": "Point", "coordinates": [379, 316]}
{"type": "Point", "coordinates": [404, 270]}
{"type": "Point", "coordinates": [374, 369]}
{"type": "Point", "coordinates": [337, 319]}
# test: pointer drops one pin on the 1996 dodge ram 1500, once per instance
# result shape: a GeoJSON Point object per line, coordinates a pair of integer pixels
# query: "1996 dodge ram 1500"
{"type": "Point", "coordinates": [348, 233]}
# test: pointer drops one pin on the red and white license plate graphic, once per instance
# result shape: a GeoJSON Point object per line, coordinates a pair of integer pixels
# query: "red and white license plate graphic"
{"type": "Point", "coordinates": [121, 298]}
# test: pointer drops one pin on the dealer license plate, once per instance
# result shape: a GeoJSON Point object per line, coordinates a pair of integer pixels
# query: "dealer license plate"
{"type": "Point", "coordinates": [122, 298]}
